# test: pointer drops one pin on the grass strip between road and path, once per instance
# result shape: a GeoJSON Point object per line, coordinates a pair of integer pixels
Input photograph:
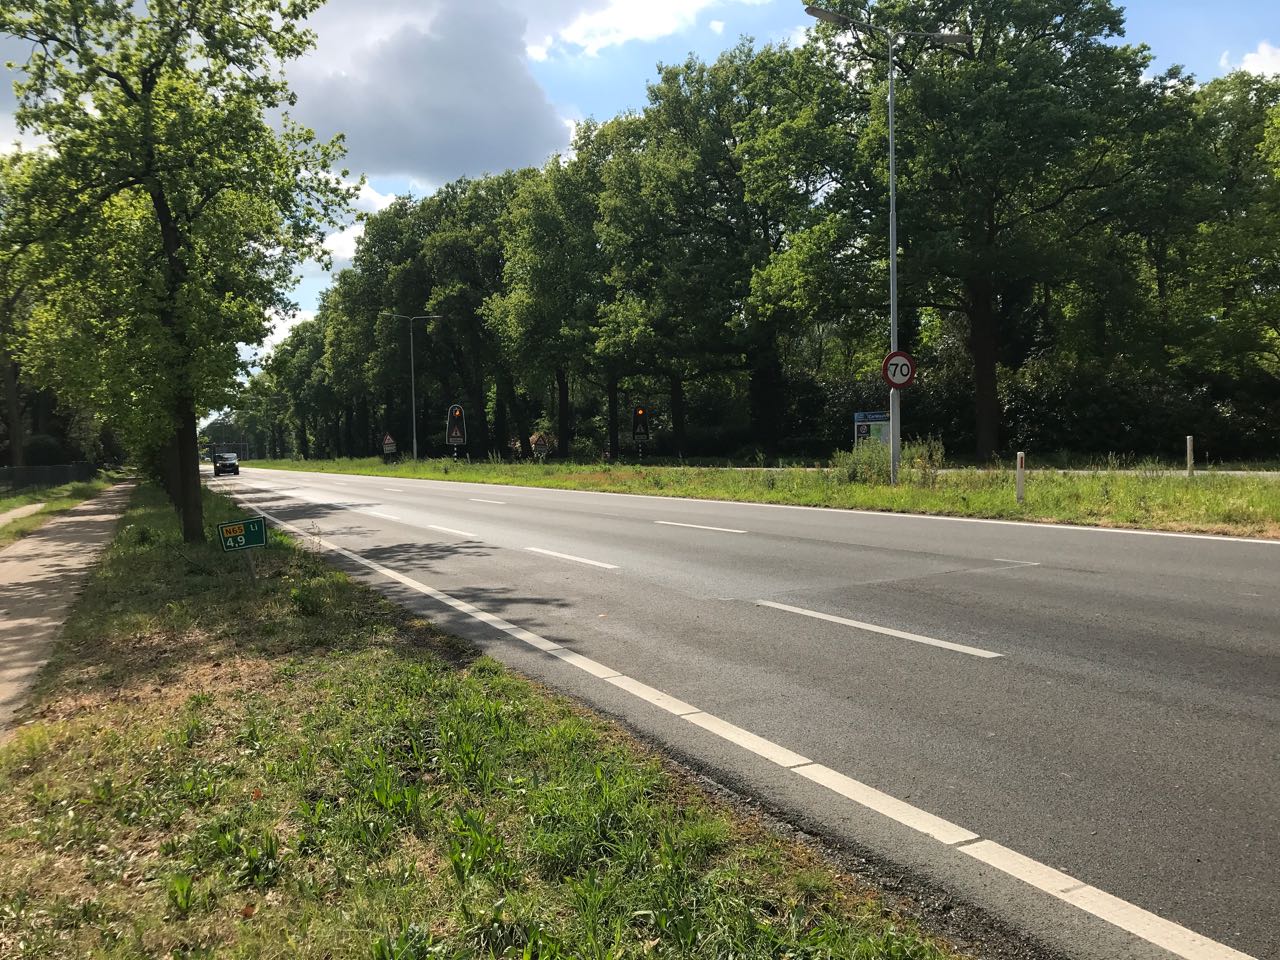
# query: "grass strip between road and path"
{"type": "Point", "coordinates": [1142, 499]}
{"type": "Point", "coordinates": [55, 500]}
{"type": "Point", "coordinates": [294, 766]}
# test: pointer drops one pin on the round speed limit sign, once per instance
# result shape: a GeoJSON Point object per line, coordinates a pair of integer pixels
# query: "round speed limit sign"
{"type": "Point", "coordinates": [898, 370]}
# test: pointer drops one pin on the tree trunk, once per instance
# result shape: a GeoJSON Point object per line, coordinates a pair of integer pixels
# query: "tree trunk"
{"type": "Point", "coordinates": [564, 414]}
{"type": "Point", "coordinates": [982, 348]}
{"type": "Point", "coordinates": [501, 432]}
{"type": "Point", "coordinates": [191, 503]}
{"type": "Point", "coordinates": [677, 414]}
{"type": "Point", "coordinates": [507, 389]}
{"type": "Point", "coordinates": [765, 395]}
{"type": "Point", "coordinates": [611, 388]}
{"type": "Point", "coordinates": [477, 423]}
{"type": "Point", "coordinates": [13, 411]}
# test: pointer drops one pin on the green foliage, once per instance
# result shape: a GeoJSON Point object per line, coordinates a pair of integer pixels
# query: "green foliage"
{"type": "Point", "coordinates": [173, 202]}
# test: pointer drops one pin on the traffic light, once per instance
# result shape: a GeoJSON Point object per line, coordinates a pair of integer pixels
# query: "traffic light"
{"type": "Point", "coordinates": [455, 434]}
{"type": "Point", "coordinates": [640, 424]}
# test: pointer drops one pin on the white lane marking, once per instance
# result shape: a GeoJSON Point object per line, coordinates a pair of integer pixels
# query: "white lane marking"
{"type": "Point", "coordinates": [569, 556]}
{"type": "Point", "coordinates": [593, 667]}
{"type": "Point", "coordinates": [748, 740]}
{"type": "Point", "coordinates": [501, 503]}
{"type": "Point", "coordinates": [887, 631]}
{"type": "Point", "coordinates": [384, 516]}
{"type": "Point", "coordinates": [893, 808]}
{"type": "Point", "coordinates": [650, 695]}
{"type": "Point", "coordinates": [1141, 923]}
{"type": "Point", "coordinates": [696, 526]}
{"type": "Point", "coordinates": [456, 533]}
{"type": "Point", "coordinates": [1126, 916]}
{"type": "Point", "coordinates": [393, 489]}
{"type": "Point", "coordinates": [1020, 563]}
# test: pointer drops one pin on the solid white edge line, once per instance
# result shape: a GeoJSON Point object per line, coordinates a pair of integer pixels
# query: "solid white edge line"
{"type": "Point", "coordinates": [893, 808]}
{"type": "Point", "coordinates": [593, 667]}
{"type": "Point", "coordinates": [696, 526]}
{"type": "Point", "coordinates": [839, 510]}
{"type": "Point", "coordinates": [650, 695]}
{"type": "Point", "coordinates": [887, 631]}
{"type": "Point", "coordinates": [458, 533]}
{"type": "Point", "coordinates": [748, 740]}
{"type": "Point", "coordinates": [1119, 913]}
{"type": "Point", "coordinates": [569, 556]}
{"type": "Point", "coordinates": [501, 503]}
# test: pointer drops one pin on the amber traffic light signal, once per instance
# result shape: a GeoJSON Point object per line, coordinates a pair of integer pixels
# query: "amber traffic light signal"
{"type": "Point", "coordinates": [640, 424]}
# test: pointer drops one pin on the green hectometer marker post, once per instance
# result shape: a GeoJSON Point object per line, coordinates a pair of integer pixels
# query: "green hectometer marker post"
{"type": "Point", "coordinates": [243, 534]}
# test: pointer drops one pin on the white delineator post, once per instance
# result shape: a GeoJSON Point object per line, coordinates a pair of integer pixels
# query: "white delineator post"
{"type": "Point", "coordinates": [1191, 456]}
{"type": "Point", "coordinates": [1022, 477]}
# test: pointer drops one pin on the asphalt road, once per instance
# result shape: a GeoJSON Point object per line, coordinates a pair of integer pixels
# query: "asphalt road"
{"type": "Point", "coordinates": [1074, 731]}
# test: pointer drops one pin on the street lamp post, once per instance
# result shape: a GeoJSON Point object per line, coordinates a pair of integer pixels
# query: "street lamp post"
{"type": "Point", "coordinates": [413, 378]}
{"type": "Point", "coordinates": [893, 36]}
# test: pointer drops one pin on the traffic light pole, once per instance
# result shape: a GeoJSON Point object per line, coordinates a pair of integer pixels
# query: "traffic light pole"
{"type": "Point", "coordinates": [895, 395]}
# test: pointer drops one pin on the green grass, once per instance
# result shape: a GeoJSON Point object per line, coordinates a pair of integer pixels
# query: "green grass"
{"type": "Point", "coordinates": [299, 768]}
{"type": "Point", "coordinates": [1147, 498]}
{"type": "Point", "coordinates": [56, 500]}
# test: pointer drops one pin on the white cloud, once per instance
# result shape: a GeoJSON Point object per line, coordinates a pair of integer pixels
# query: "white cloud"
{"type": "Point", "coordinates": [280, 327]}
{"type": "Point", "coordinates": [342, 245]}
{"type": "Point", "coordinates": [369, 200]}
{"type": "Point", "coordinates": [717, 26]}
{"type": "Point", "coordinates": [1264, 61]}
{"type": "Point", "coordinates": [621, 21]}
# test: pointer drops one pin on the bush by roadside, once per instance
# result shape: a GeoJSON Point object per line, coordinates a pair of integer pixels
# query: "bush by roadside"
{"type": "Point", "coordinates": [297, 767]}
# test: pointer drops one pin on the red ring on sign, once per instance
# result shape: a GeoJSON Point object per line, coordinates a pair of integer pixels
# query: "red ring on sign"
{"type": "Point", "coordinates": [884, 369]}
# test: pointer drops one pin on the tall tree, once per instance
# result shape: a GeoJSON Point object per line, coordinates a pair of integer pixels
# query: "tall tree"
{"type": "Point", "coordinates": [1006, 148]}
{"type": "Point", "coordinates": [178, 140]}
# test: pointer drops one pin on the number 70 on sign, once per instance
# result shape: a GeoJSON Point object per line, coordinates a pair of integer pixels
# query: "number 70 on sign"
{"type": "Point", "coordinates": [898, 370]}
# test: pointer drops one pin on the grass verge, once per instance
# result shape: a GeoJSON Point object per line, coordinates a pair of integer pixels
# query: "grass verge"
{"type": "Point", "coordinates": [297, 767]}
{"type": "Point", "coordinates": [56, 500]}
{"type": "Point", "coordinates": [1147, 499]}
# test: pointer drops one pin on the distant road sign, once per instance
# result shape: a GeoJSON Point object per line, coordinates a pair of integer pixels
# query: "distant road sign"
{"type": "Point", "coordinates": [455, 431]}
{"type": "Point", "coordinates": [898, 370]}
{"type": "Point", "coordinates": [640, 424]}
{"type": "Point", "coordinates": [243, 534]}
{"type": "Point", "coordinates": [871, 425]}
{"type": "Point", "coordinates": [388, 444]}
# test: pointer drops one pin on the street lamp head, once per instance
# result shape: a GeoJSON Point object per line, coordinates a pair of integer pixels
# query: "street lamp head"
{"type": "Point", "coordinates": [828, 16]}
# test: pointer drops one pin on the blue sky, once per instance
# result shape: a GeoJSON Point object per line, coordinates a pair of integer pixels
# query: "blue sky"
{"type": "Point", "coordinates": [428, 90]}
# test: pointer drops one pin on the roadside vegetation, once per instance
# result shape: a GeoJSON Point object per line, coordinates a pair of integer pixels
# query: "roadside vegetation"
{"type": "Point", "coordinates": [55, 500]}
{"type": "Point", "coordinates": [1148, 498]}
{"type": "Point", "coordinates": [297, 767]}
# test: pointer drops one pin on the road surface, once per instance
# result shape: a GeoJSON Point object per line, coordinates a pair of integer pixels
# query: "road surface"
{"type": "Point", "coordinates": [1075, 731]}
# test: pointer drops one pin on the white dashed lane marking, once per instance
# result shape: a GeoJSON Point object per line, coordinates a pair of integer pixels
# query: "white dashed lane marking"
{"type": "Point", "coordinates": [569, 556]}
{"type": "Point", "coordinates": [886, 631]}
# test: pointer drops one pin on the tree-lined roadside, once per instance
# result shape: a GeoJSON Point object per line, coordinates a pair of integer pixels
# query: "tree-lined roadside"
{"type": "Point", "coordinates": [297, 766]}
{"type": "Point", "coordinates": [1153, 500]}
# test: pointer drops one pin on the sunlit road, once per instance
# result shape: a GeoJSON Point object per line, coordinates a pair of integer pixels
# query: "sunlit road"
{"type": "Point", "coordinates": [1075, 731]}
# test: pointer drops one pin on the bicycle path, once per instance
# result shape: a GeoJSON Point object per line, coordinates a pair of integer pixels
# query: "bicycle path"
{"type": "Point", "coordinates": [40, 578]}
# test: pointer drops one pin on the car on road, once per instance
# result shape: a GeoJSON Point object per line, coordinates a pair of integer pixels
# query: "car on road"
{"type": "Point", "coordinates": [226, 463]}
